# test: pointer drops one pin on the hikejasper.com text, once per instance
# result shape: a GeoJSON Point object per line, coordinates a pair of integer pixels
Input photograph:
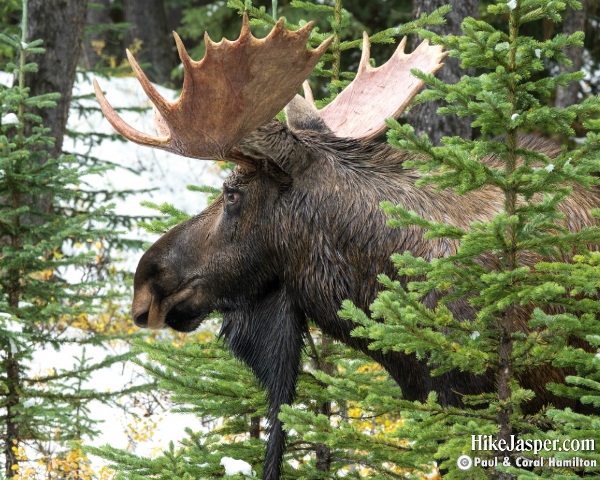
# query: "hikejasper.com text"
{"type": "Point", "coordinates": [516, 444]}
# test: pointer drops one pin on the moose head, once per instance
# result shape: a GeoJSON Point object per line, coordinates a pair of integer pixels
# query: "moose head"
{"type": "Point", "coordinates": [297, 228]}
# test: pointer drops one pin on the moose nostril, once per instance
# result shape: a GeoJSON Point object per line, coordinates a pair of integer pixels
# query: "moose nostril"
{"type": "Point", "coordinates": [141, 320]}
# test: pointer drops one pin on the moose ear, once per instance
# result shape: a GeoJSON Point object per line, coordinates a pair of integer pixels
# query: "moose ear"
{"type": "Point", "coordinates": [302, 115]}
{"type": "Point", "coordinates": [278, 144]}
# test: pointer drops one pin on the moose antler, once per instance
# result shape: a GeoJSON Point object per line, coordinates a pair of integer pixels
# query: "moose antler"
{"type": "Point", "coordinates": [238, 86]}
{"type": "Point", "coordinates": [375, 94]}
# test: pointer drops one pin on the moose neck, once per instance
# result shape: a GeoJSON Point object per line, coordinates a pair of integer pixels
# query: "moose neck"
{"type": "Point", "coordinates": [341, 241]}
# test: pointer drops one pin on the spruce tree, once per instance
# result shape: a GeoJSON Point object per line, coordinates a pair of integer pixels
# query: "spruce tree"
{"type": "Point", "coordinates": [558, 295]}
{"type": "Point", "coordinates": [51, 285]}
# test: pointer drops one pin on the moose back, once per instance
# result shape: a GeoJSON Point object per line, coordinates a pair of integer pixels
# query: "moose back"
{"type": "Point", "coordinates": [298, 227]}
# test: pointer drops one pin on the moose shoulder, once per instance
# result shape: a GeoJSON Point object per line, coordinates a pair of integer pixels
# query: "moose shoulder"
{"type": "Point", "coordinates": [298, 227]}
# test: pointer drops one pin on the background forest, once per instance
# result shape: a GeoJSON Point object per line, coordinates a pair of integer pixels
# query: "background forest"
{"type": "Point", "coordinates": [67, 254]}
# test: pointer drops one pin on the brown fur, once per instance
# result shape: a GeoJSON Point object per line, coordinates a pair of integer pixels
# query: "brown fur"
{"type": "Point", "coordinates": [298, 230]}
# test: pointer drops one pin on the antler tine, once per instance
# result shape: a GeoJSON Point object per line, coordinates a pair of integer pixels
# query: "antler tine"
{"type": "Point", "coordinates": [321, 49]}
{"type": "Point", "coordinates": [379, 93]}
{"type": "Point", "coordinates": [186, 60]}
{"type": "Point", "coordinates": [402, 46]}
{"type": "Point", "coordinates": [237, 86]}
{"type": "Point", "coordinates": [308, 93]}
{"type": "Point", "coordinates": [365, 56]}
{"type": "Point", "coordinates": [157, 100]}
{"type": "Point", "coordinates": [245, 31]}
{"type": "Point", "coordinates": [123, 128]}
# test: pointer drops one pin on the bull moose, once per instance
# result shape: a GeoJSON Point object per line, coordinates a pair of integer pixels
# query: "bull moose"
{"type": "Point", "coordinates": [298, 227]}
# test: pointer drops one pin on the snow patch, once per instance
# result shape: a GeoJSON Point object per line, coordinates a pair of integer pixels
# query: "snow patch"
{"type": "Point", "coordinates": [237, 467]}
{"type": "Point", "coordinates": [6, 79]}
{"type": "Point", "coordinates": [9, 119]}
{"type": "Point", "coordinates": [168, 176]}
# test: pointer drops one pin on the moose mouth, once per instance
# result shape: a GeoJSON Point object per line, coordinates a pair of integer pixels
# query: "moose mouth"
{"type": "Point", "coordinates": [179, 318]}
{"type": "Point", "coordinates": [174, 311]}
{"type": "Point", "coordinates": [184, 320]}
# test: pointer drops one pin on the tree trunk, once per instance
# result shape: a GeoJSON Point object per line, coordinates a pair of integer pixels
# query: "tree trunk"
{"type": "Point", "coordinates": [60, 24]}
{"type": "Point", "coordinates": [322, 451]}
{"type": "Point", "coordinates": [11, 411]}
{"type": "Point", "coordinates": [424, 117]}
{"type": "Point", "coordinates": [95, 39]}
{"type": "Point", "coordinates": [573, 21]}
{"type": "Point", "coordinates": [148, 21]}
{"type": "Point", "coordinates": [255, 427]}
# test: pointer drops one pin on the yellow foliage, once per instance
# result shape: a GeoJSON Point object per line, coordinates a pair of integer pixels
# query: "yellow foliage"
{"type": "Point", "coordinates": [135, 46]}
{"type": "Point", "coordinates": [70, 465]}
{"type": "Point", "coordinates": [43, 276]}
{"type": "Point", "coordinates": [376, 426]}
{"type": "Point", "coordinates": [98, 46]}
{"type": "Point", "coordinates": [379, 427]}
{"type": "Point", "coordinates": [370, 368]}
{"type": "Point", "coordinates": [110, 321]}
{"type": "Point", "coordinates": [140, 429]}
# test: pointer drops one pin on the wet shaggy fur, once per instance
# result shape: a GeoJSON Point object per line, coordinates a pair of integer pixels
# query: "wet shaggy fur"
{"type": "Point", "coordinates": [297, 230]}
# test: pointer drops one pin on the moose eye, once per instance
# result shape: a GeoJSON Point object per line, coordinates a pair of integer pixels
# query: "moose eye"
{"type": "Point", "coordinates": [231, 197]}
